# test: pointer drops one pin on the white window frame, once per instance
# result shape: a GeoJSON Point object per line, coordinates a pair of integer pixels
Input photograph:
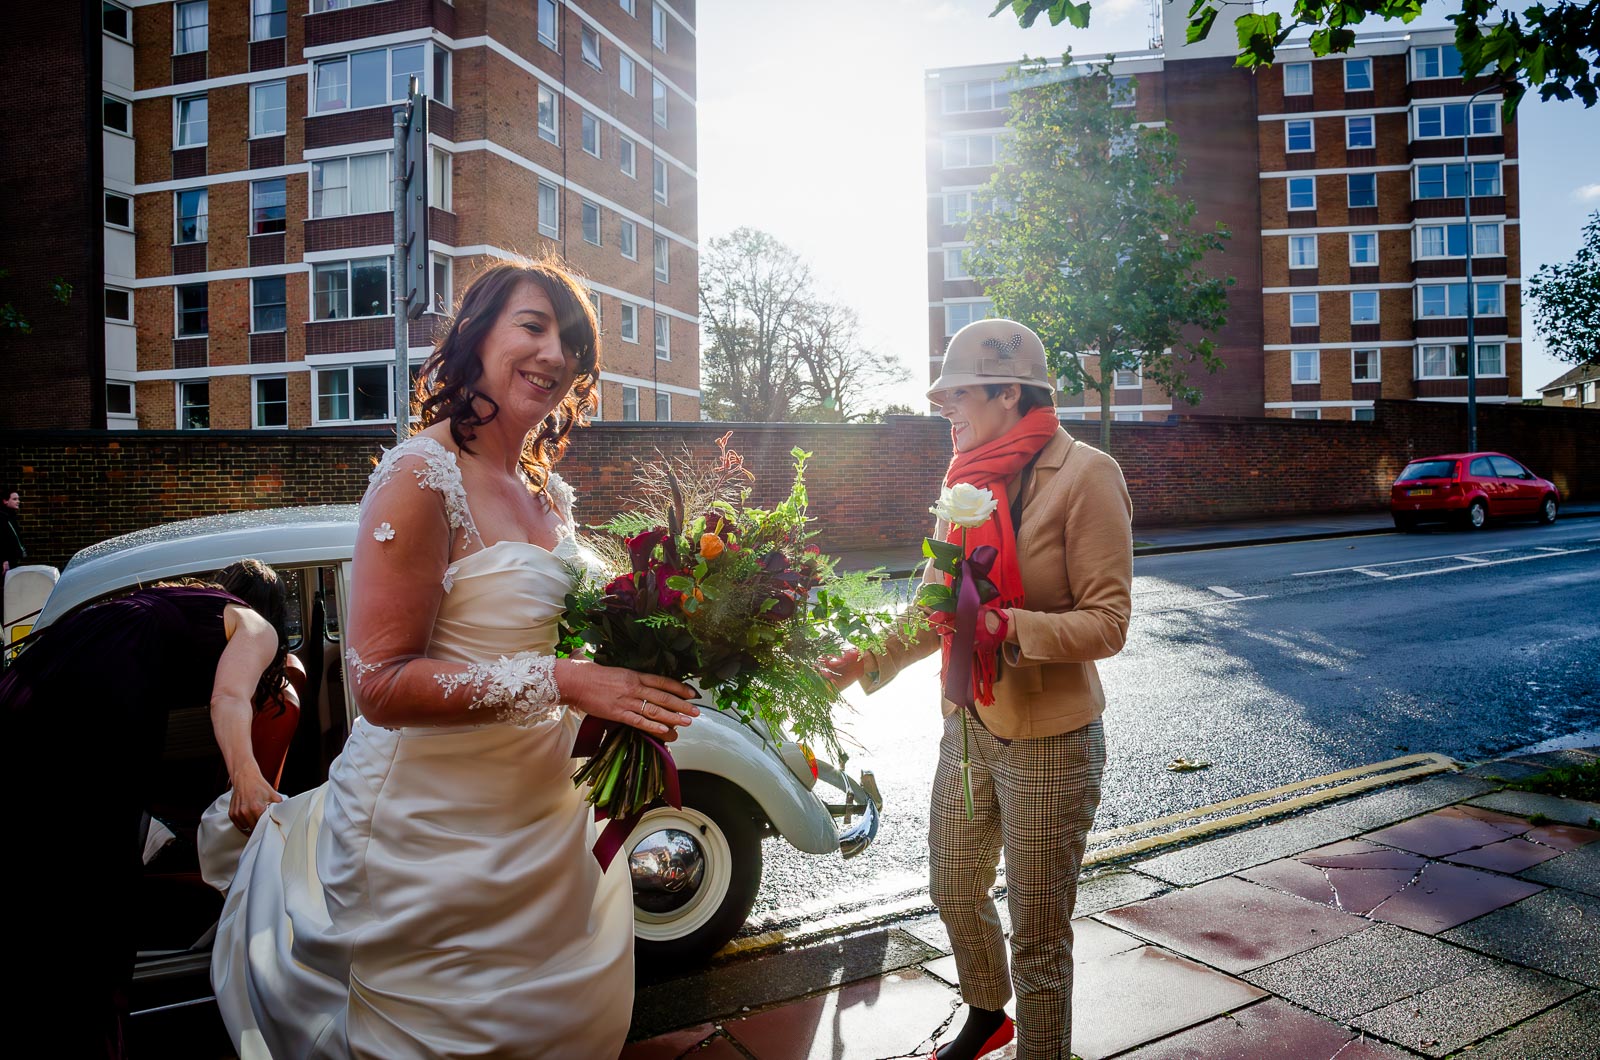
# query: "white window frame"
{"type": "Point", "coordinates": [124, 384]}
{"type": "Point", "coordinates": [1128, 378]}
{"type": "Point", "coordinates": [1357, 64]}
{"type": "Point", "coordinates": [180, 404]}
{"type": "Point", "coordinates": [962, 159]}
{"type": "Point", "coordinates": [1349, 191]}
{"type": "Point", "coordinates": [630, 394]}
{"type": "Point", "coordinates": [658, 27]}
{"type": "Point", "coordinates": [255, 402]}
{"type": "Point", "coordinates": [1305, 414]}
{"type": "Point", "coordinates": [424, 75]}
{"type": "Point", "coordinates": [628, 323]}
{"type": "Point", "coordinates": [252, 296]}
{"type": "Point", "coordinates": [589, 124]}
{"type": "Point", "coordinates": [1373, 236]}
{"type": "Point", "coordinates": [203, 216]}
{"type": "Point", "coordinates": [1311, 136]}
{"type": "Point", "coordinates": [627, 75]}
{"type": "Point", "coordinates": [1377, 306]}
{"type": "Point", "coordinates": [1302, 241]}
{"type": "Point", "coordinates": [1449, 348]}
{"type": "Point", "coordinates": [320, 166]}
{"type": "Point", "coordinates": [661, 334]}
{"type": "Point", "coordinates": [119, 320]}
{"type": "Point", "coordinates": [551, 191]}
{"type": "Point", "coordinates": [630, 6]}
{"type": "Point", "coordinates": [589, 212]}
{"type": "Point", "coordinates": [127, 108]}
{"type": "Point", "coordinates": [1363, 414]}
{"type": "Point", "coordinates": [1288, 193]}
{"type": "Point", "coordinates": [256, 14]}
{"type": "Point", "coordinates": [177, 28]}
{"type": "Point", "coordinates": [628, 239]}
{"type": "Point", "coordinates": [955, 266]}
{"type": "Point", "coordinates": [661, 259]}
{"type": "Point", "coordinates": [440, 301]}
{"type": "Point", "coordinates": [627, 156]}
{"type": "Point", "coordinates": [349, 370]}
{"type": "Point", "coordinates": [587, 36]}
{"type": "Point", "coordinates": [1376, 364]}
{"type": "Point", "coordinates": [658, 102]}
{"type": "Point", "coordinates": [441, 179]}
{"type": "Point", "coordinates": [1124, 91]}
{"type": "Point", "coordinates": [1499, 239]}
{"type": "Point", "coordinates": [1316, 311]}
{"type": "Point", "coordinates": [1350, 124]}
{"type": "Point", "coordinates": [552, 38]}
{"type": "Point", "coordinates": [663, 397]}
{"type": "Point", "coordinates": [658, 179]}
{"type": "Point", "coordinates": [550, 133]}
{"type": "Point", "coordinates": [1299, 359]}
{"type": "Point", "coordinates": [1297, 68]}
{"type": "Point", "coordinates": [178, 123]}
{"type": "Point", "coordinates": [349, 294]}
{"type": "Point", "coordinates": [106, 217]}
{"type": "Point", "coordinates": [127, 16]}
{"type": "Point", "coordinates": [177, 312]}
{"type": "Point", "coordinates": [256, 131]}
{"type": "Point", "coordinates": [981, 310]}
{"type": "Point", "coordinates": [964, 214]}
{"type": "Point", "coordinates": [1415, 65]}
{"type": "Point", "coordinates": [1468, 117]}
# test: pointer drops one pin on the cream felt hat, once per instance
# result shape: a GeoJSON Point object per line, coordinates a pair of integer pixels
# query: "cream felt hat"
{"type": "Point", "coordinates": [993, 351]}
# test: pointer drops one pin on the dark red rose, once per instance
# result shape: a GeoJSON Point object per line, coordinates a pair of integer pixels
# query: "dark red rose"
{"type": "Point", "coordinates": [642, 546]}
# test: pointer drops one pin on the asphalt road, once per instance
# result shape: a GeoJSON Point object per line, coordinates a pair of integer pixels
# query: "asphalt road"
{"type": "Point", "coordinates": [1275, 663]}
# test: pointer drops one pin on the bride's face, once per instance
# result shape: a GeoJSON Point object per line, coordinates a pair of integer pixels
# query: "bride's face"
{"type": "Point", "coordinates": [525, 370]}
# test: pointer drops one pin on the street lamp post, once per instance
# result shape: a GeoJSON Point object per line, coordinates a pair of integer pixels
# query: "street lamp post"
{"type": "Point", "coordinates": [1471, 242]}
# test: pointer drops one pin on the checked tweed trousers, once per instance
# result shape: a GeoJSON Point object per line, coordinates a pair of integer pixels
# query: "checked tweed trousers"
{"type": "Point", "coordinates": [1036, 799]}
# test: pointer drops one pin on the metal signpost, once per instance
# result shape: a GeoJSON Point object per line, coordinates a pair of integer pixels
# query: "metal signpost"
{"type": "Point", "coordinates": [410, 269]}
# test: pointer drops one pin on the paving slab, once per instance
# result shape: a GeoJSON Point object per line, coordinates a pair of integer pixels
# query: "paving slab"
{"type": "Point", "coordinates": [1128, 999]}
{"type": "Point", "coordinates": [1508, 855]}
{"type": "Point", "coordinates": [1234, 925]}
{"type": "Point", "coordinates": [704, 1042]}
{"type": "Point", "coordinates": [1367, 971]}
{"type": "Point", "coordinates": [1568, 1030]}
{"type": "Point", "coordinates": [1091, 940]}
{"type": "Point", "coordinates": [1450, 831]}
{"type": "Point", "coordinates": [896, 1015]}
{"type": "Point", "coordinates": [1555, 931]}
{"type": "Point", "coordinates": [1268, 1030]}
{"type": "Point", "coordinates": [1242, 850]}
{"type": "Point", "coordinates": [1505, 769]}
{"type": "Point", "coordinates": [1528, 803]}
{"type": "Point", "coordinates": [1111, 889]}
{"type": "Point", "coordinates": [1396, 804]}
{"type": "Point", "coordinates": [1439, 1021]}
{"type": "Point", "coordinates": [1577, 871]}
{"type": "Point", "coordinates": [1443, 896]}
{"type": "Point", "coordinates": [929, 930]}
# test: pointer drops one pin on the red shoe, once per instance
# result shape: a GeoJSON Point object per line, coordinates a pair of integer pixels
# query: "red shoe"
{"type": "Point", "coordinates": [1000, 1038]}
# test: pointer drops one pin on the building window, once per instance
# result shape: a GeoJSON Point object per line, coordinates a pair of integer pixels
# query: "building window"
{"type": "Point", "coordinates": [189, 27]}
{"type": "Point", "coordinates": [958, 315]}
{"type": "Point", "coordinates": [1450, 362]}
{"type": "Point", "coordinates": [441, 75]}
{"type": "Point", "coordinates": [191, 121]}
{"type": "Point", "coordinates": [356, 185]}
{"type": "Point", "coordinates": [116, 115]}
{"type": "Point", "coordinates": [1438, 61]}
{"type": "Point", "coordinates": [194, 316]}
{"type": "Point", "coordinates": [589, 45]}
{"type": "Point", "coordinates": [269, 19]}
{"type": "Point", "coordinates": [271, 401]}
{"type": "Point", "coordinates": [627, 78]}
{"type": "Point", "coordinates": [1363, 307]}
{"type": "Point", "coordinates": [658, 26]}
{"type": "Point", "coordinates": [969, 151]}
{"type": "Point", "coordinates": [268, 108]}
{"type": "Point", "coordinates": [367, 79]}
{"type": "Point", "coordinates": [663, 405]}
{"type": "Point", "coordinates": [590, 128]}
{"type": "Point", "coordinates": [628, 239]}
{"type": "Point", "coordinates": [1124, 91]}
{"type": "Point", "coordinates": [1362, 189]}
{"type": "Point", "coordinates": [663, 335]}
{"type": "Point", "coordinates": [955, 264]}
{"type": "Point", "coordinates": [119, 396]}
{"type": "Point", "coordinates": [660, 255]}
{"type": "Point", "coordinates": [1302, 193]}
{"type": "Point", "coordinates": [117, 21]}
{"type": "Point", "coordinates": [1448, 181]}
{"type": "Point", "coordinates": [549, 210]}
{"type": "Point", "coordinates": [629, 7]}
{"type": "Point", "coordinates": [119, 305]}
{"type": "Point", "coordinates": [589, 214]}
{"type": "Point", "coordinates": [1297, 79]}
{"type": "Point", "coordinates": [630, 402]}
{"type": "Point", "coordinates": [1485, 178]}
{"type": "Point", "coordinates": [549, 26]}
{"type": "Point", "coordinates": [1442, 241]}
{"type": "Point", "coordinates": [1307, 366]}
{"type": "Point", "coordinates": [118, 210]}
{"type": "Point", "coordinates": [1588, 394]}
{"type": "Point", "coordinates": [444, 295]}
{"type": "Point", "coordinates": [194, 405]}
{"type": "Point", "coordinates": [439, 178]}
{"type": "Point", "coordinates": [626, 155]}
{"type": "Point", "coordinates": [1486, 240]}
{"type": "Point", "coordinates": [957, 207]}
{"type": "Point", "coordinates": [659, 182]}
{"type": "Point", "coordinates": [1365, 366]}
{"type": "Point", "coordinates": [191, 207]}
{"type": "Point", "coordinates": [355, 394]}
{"type": "Point", "coordinates": [1359, 132]}
{"type": "Point", "coordinates": [1302, 252]}
{"type": "Point", "coordinates": [1362, 415]}
{"type": "Point", "coordinates": [269, 206]}
{"type": "Point", "coordinates": [1363, 248]}
{"type": "Point", "coordinates": [269, 303]}
{"type": "Point", "coordinates": [658, 101]}
{"type": "Point", "coordinates": [1298, 135]}
{"type": "Point", "coordinates": [629, 326]}
{"type": "Point", "coordinates": [1302, 310]}
{"type": "Point", "coordinates": [1307, 414]}
{"type": "Point", "coordinates": [1449, 120]}
{"type": "Point", "coordinates": [1358, 75]}
{"type": "Point", "coordinates": [1489, 300]}
{"type": "Point", "coordinates": [962, 97]}
{"type": "Point", "coordinates": [1450, 300]}
{"type": "Point", "coordinates": [1128, 378]}
{"type": "Point", "coordinates": [548, 119]}
{"type": "Point", "coordinates": [343, 290]}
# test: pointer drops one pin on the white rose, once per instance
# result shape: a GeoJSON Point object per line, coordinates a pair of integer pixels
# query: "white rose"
{"type": "Point", "coordinates": [965, 505]}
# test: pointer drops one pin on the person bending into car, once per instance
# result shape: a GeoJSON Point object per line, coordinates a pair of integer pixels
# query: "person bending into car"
{"type": "Point", "coordinates": [85, 705]}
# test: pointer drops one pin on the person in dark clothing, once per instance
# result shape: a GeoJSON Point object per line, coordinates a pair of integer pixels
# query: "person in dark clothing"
{"type": "Point", "coordinates": [12, 554]}
{"type": "Point", "coordinates": [85, 706]}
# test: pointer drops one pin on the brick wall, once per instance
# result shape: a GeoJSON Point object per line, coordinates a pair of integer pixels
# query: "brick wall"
{"type": "Point", "coordinates": [870, 485]}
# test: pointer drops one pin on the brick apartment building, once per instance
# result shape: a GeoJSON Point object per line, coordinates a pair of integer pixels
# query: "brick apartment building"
{"type": "Point", "coordinates": [248, 232]}
{"type": "Point", "coordinates": [1342, 181]}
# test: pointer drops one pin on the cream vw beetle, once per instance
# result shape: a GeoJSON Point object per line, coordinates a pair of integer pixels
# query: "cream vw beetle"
{"type": "Point", "coordinates": [695, 870]}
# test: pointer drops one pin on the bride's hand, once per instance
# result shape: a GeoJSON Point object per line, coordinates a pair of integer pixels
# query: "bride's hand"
{"type": "Point", "coordinates": [656, 705]}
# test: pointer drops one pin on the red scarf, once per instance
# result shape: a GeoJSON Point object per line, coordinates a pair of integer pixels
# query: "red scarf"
{"type": "Point", "coordinates": [990, 466]}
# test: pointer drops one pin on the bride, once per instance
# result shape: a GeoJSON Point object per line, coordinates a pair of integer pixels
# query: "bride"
{"type": "Point", "coordinates": [437, 896]}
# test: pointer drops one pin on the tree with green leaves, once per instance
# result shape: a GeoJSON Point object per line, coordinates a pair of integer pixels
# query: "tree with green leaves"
{"type": "Point", "coordinates": [1566, 299]}
{"type": "Point", "coordinates": [1090, 242]}
{"type": "Point", "coordinates": [1554, 48]}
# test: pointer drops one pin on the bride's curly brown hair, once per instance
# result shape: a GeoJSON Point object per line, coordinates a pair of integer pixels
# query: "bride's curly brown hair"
{"type": "Point", "coordinates": [445, 388]}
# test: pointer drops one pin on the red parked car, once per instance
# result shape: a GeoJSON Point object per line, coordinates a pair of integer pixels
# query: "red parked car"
{"type": "Point", "coordinates": [1471, 488]}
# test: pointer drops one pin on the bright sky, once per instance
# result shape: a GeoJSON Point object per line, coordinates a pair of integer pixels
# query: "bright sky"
{"type": "Point", "coordinates": [811, 127]}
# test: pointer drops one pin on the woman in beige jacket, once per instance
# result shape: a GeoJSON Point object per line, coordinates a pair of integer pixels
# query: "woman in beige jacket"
{"type": "Point", "coordinates": [1039, 752]}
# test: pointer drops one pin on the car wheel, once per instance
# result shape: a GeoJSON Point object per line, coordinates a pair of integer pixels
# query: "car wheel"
{"type": "Point", "coordinates": [695, 871]}
{"type": "Point", "coordinates": [1477, 515]}
{"type": "Point", "coordinates": [1547, 511]}
{"type": "Point", "coordinates": [1406, 524]}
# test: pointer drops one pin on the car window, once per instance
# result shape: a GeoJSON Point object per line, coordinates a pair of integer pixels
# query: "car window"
{"type": "Point", "coordinates": [1506, 467]}
{"type": "Point", "coordinates": [1481, 468]}
{"type": "Point", "coordinates": [1428, 469]}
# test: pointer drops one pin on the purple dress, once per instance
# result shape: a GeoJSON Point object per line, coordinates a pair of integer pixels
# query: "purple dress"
{"type": "Point", "coordinates": [85, 710]}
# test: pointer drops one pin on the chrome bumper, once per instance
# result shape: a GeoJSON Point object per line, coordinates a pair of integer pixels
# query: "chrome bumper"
{"type": "Point", "coordinates": [862, 798]}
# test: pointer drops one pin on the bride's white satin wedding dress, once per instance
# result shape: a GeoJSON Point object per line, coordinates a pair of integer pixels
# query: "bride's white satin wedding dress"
{"type": "Point", "coordinates": [437, 896]}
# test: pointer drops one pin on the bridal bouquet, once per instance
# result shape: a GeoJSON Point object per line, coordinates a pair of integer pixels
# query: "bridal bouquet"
{"type": "Point", "coordinates": [706, 588]}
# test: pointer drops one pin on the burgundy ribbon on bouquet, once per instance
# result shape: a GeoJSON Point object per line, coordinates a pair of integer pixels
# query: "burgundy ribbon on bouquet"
{"type": "Point", "coordinates": [617, 829]}
{"type": "Point", "coordinates": [958, 678]}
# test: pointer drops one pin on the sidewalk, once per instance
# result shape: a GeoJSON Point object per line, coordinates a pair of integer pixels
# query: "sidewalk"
{"type": "Point", "coordinates": [1158, 540]}
{"type": "Point", "coordinates": [1414, 921]}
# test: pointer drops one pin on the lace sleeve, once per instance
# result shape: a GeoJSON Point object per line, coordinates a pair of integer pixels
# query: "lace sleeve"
{"type": "Point", "coordinates": [561, 499]}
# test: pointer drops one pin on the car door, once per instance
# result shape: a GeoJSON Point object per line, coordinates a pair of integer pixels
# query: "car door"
{"type": "Point", "coordinates": [1522, 490]}
{"type": "Point", "coordinates": [1483, 477]}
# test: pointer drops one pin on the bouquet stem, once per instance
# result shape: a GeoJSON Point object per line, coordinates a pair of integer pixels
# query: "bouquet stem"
{"type": "Point", "coordinates": [966, 767]}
